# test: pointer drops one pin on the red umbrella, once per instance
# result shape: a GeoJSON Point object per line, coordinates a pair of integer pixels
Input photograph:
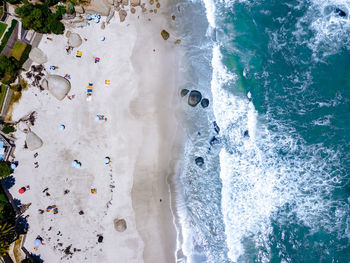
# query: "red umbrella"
{"type": "Point", "coordinates": [22, 190]}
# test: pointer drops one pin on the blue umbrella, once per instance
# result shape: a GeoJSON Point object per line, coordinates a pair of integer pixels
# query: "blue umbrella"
{"type": "Point", "coordinates": [37, 242]}
{"type": "Point", "coordinates": [62, 127]}
{"type": "Point", "coordinates": [102, 38]}
{"type": "Point", "coordinates": [13, 166]}
{"type": "Point", "coordinates": [74, 163]}
{"type": "Point", "coordinates": [107, 160]}
{"type": "Point", "coordinates": [78, 165]}
{"type": "Point", "coordinates": [97, 118]}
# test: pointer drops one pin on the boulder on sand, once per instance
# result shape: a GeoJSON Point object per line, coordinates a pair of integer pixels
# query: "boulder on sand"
{"type": "Point", "coordinates": [194, 98]}
{"type": "Point", "coordinates": [165, 34]}
{"type": "Point", "coordinates": [122, 15]}
{"type": "Point", "coordinates": [74, 40]}
{"type": "Point", "coordinates": [38, 56]}
{"type": "Point", "coordinates": [135, 2]}
{"type": "Point", "coordinates": [120, 225]}
{"type": "Point", "coordinates": [33, 141]}
{"type": "Point", "coordinates": [58, 86]}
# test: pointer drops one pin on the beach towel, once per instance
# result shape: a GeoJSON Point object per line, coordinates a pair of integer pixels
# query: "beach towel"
{"type": "Point", "coordinates": [79, 54]}
{"type": "Point", "coordinates": [107, 82]}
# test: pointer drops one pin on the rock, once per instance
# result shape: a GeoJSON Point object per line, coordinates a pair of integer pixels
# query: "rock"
{"type": "Point", "coordinates": [184, 92]}
{"type": "Point", "coordinates": [120, 225]}
{"type": "Point", "coordinates": [194, 98]}
{"type": "Point", "coordinates": [246, 133]}
{"type": "Point", "coordinates": [199, 161]}
{"type": "Point", "coordinates": [165, 34]}
{"type": "Point", "coordinates": [33, 141]}
{"type": "Point", "coordinates": [125, 2]}
{"type": "Point", "coordinates": [214, 141]}
{"type": "Point", "coordinates": [135, 2]}
{"type": "Point", "coordinates": [205, 103]}
{"type": "Point", "coordinates": [133, 10]}
{"type": "Point", "coordinates": [38, 56]}
{"type": "Point", "coordinates": [58, 86]}
{"type": "Point", "coordinates": [151, 2]}
{"type": "Point", "coordinates": [100, 239]}
{"type": "Point", "coordinates": [119, 1]}
{"type": "Point", "coordinates": [103, 25]}
{"type": "Point", "coordinates": [216, 127]}
{"type": "Point", "coordinates": [173, 17]}
{"type": "Point", "coordinates": [151, 11]}
{"type": "Point", "coordinates": [44, 84]}
{"type": "Point", "coordinates": [68, 34]}
{"type": "Point", "coordinates": [340, 12]}
{"type": "Point", "coordinates": [74, 40]}
{"type": "Point", "coordinates": [122, 15]}
{"type": "Point", "coordinates": [158, 5]}
{"type": "Point", "coordinates": [117, 8]}
{"type": "Point", "coordinates": [155, 11]}
{"type": "Point", "coordinates": [68, 16]}
{"type": "Point", "coordinates": [178, 41]}
{"type": "Point", "coordinates": [79, 9]}
{"type": "Point", "coordinates": [81, 212]}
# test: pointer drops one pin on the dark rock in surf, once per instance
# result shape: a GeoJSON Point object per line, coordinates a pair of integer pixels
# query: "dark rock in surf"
{"type": "Point", "coordinates": [216, 127]}
{"type": "Point", "coordinates": [184, 92]}
{"type": "Point", "coordinates": [194, 98]}
{"type": "Point", "coordinates": [340, 12]}
{"type": "Point", "coordinates": [214, 141]}
{"type": "Point", "coordinates": [199, 161]}
{"type": "Point", "coordinates": [246, 133]}
{"type": "Point", "coordinates": [205, 103]}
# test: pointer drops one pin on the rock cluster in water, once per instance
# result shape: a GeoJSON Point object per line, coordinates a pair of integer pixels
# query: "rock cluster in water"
{"type": "Point", "coordinates": [199, 161]}
{"type": "Point", "coordinates": [194, 98]}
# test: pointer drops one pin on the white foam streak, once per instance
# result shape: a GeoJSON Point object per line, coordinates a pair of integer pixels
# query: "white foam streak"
{"type": "Point", "coordinates": [210, 12]}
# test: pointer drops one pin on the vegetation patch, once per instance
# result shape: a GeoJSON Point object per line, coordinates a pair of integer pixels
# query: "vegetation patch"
{"type": "Point", "coordinates": [3, 26]}
{"type": "Point", "coordinates": [18, 50]}
{"type": "Point", "coordinates": [8, 34]}
{"type": "Point", "coordinates": [3, 90]}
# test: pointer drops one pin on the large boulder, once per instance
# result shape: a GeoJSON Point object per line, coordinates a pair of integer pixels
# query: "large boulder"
{"type": "Point", "coordinates": [120, 225]}
{"type": "Point", "coordinates": [165, 34]}
{"type": "Point", "coordinates": [122, 15]}
{"type": "Point", "coordinates": [74, 40]}
{"type": "Point", "coordinates": [38, 56]}
{"type": "Point", "coordinates": [135, 2]}
{"type": "Point", "coordinates": [194, 98]}
{"type": "Point", "coordinates": [33, 141]}
{"type": "Point", "coordinates": [58, 86]}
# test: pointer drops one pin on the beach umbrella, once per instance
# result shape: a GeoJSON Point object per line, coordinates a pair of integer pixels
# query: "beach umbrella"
{"type": "Point", "coordinates": [102, 38]}
{"type": "Point", "coordinates": [78, 165]}
{"type": "Point", "coordinates": [107, 160]}
{"type": "Point", "coordinates": [74, 163]}
{"type": "Point", "coordinates": [62, 127]}
{"type": "Point", "coordinates": [13, 166]}
{"type": "Point", "coordinates": [97, 118]}
{"type": "Point", "coordinates": [37, 242]}
{"type": "Point", "coordinates": [22, 190]}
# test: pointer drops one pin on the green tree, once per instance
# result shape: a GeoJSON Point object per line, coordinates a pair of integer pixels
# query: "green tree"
{"type": "Point", "coordinates": [7, 236]}
{"type": "Point", "coordinates": [5, 169]}
{"type": "Point", "coordinates": [40, 18]}
{"type": "Point", "coordinates": [8, 129]}
{"type": "Point", "coordinates": [13, 2]}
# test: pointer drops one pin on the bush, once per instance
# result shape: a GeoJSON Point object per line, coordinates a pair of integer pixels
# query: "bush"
{"type": "Point", "coordinates": [8, 129]}
{"type": "Point", "coordinates": [40, 19]}
{"type": "Point", "coordinates": [5, 169]}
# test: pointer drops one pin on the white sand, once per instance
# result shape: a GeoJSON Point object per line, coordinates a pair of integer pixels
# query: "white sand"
{"type": "Point", "coordinates": [138, 137]}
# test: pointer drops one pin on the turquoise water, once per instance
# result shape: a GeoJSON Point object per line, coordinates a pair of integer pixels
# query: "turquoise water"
{"type": "Point", "coordinates": [276, 187]}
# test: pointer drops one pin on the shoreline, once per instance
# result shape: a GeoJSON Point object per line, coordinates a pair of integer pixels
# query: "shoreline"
{"type": "Point", "coordinates": [143, 138]}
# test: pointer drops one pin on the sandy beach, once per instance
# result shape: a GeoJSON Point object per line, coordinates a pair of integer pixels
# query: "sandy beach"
{"type": "Point", "coordinates": [141, 136]}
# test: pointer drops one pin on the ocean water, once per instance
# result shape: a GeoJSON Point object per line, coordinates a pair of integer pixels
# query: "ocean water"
{"type": "Point", "coordinates": [275, 183]}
